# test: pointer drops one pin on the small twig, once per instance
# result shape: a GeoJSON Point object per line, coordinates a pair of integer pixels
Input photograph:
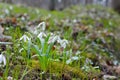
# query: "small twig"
{"type": "Point", "coordinates": [5, 37]}
{"type": "Point", "coordinates": [6, 43]}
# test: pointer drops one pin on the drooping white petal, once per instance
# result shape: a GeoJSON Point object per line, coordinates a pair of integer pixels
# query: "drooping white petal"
{"type": "Point", "coordinates": [52, 39]}
{"type": "Point", "coordinates": [75, 58]}
{"type": "Point", "coordinates": [25, 38]}
{"type": "Point", "coordinates": [9, 78]}
{"type": "Point", "coordinates": [42, 26]}
{"type": "Point", "coordinates": [63, 43]}
{"type": "Point", "coordinates": [41, 36]}
{"type": "Point", "coordinates": [68, 61]}
{"type": "Point", "coordinates": [2, 60]}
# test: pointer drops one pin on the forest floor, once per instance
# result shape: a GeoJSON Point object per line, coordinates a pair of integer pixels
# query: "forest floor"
{"type": "Point", "coordinates": [78, 43]}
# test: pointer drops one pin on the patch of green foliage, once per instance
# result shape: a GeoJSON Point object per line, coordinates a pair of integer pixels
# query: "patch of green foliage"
{"type": "Point", "coordinates": [89, 29]}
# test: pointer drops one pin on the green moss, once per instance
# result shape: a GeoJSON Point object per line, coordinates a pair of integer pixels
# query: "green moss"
{"type": "Point", "coordinates": [60, 67]}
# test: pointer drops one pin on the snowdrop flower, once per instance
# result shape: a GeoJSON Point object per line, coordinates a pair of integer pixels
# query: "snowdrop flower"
{"type": "Point", "coordinates": [7, 11]}
{"type": "Point", "coordinates": [59, 40]}
{"type": "Point", "coordinates": [68, 61]}
{"type": "Point", "coordinates": [25, 38]}
{"type": "Point", "coordinates": [23, 18]}
{"type": "Point", "coordinates": [86, 68]}
{"type": "Point", "coordinates": [35, 32]}
{"type": "Point", "coordinates": [52, 39]}
{"type": "Point", "coordinates": [74, 58]}
{"type": "Point", "coordinates": [9, 78]}
{"type": "Point", "coordinates": [37, 11]}
{"type": "Point", "coordinates": [2, 60]}
{"type": "Point", "coordinates": [63, 43]}
{"type": "Point", "coordinates": [42, 26]}
{"type": "Point", "coordinates": [78, 52]}
{"type": "Point", "coordinates": [41, 35]}
{"type": "Point", "coordinates": [11, 7]}
{"type": "Point", "coordinates": [88, 61]}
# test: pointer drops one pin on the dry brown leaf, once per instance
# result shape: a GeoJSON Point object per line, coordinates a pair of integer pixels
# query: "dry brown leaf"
{"type": "Point", "coordinates": [1, 30]}
{"type": "Point", "coordinates": [117, 70]}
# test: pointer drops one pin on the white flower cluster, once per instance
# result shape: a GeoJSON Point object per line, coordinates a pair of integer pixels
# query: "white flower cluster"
{"type": "Point", "coordinates": [74, 58]}
{"type": "Point", "coordinates": [40, 32]}
{"type": "Point", "coordinates": [53, 38]}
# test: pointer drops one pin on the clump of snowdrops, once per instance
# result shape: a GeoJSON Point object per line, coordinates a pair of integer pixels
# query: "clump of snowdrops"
{"type": "Point", "coordinates": [43, 45]}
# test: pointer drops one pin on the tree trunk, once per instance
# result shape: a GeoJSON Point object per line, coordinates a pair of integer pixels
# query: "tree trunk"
{"type": "Point", "coordinates": [52, 5]}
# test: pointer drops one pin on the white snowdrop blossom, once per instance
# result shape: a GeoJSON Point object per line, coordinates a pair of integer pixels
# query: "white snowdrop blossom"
{"type": "Point", "coordinates": [86, 68]}
{"type": "Point", "coordinates": [35, 32]}
{"type": "Point", "coordinates": [2, 60]}
{"type": "Point", "coordinates": [68, 61]}
{"type": "Point", "coordinates": [63, 43]}
{"type": "Point", "coordinates": [25, 38]}
{"type": "Point", "coordinates": [88, 61]}
{"type": "Point", "coordinates": [59, 40]}
{"type": "Point", "coordinates": [11, 7]}
{"type": "Point", "coordinates": [23, 18]}
{"type": "Point", "coordinates": [78, 52]}
{"type": "Point", "coordinates": [7, 11]}
{"type": "Point", "coordinates": [9, 78]}
{"type": "Point", "coordinates": [42, 26]}
{"type": "Point", "coordinates": [41, 36]}
{"type": "Point", "coordinates": [75, 58]}
{"type": "Point", "coordinates": [52, 39]}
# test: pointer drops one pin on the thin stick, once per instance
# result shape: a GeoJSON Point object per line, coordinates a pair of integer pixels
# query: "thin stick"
{"type": "Point", "coordinates": [5, 37]}
{"type": "Point", "coordinates": [6, 43]}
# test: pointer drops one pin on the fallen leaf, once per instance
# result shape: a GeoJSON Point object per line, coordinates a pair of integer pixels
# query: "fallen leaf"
{"type": "Point", "coordinates": [1, 30]}
{"type": "Point", "coordinates": [117, 70]}
{"type": "Point", "coordinates": [1, 74]}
